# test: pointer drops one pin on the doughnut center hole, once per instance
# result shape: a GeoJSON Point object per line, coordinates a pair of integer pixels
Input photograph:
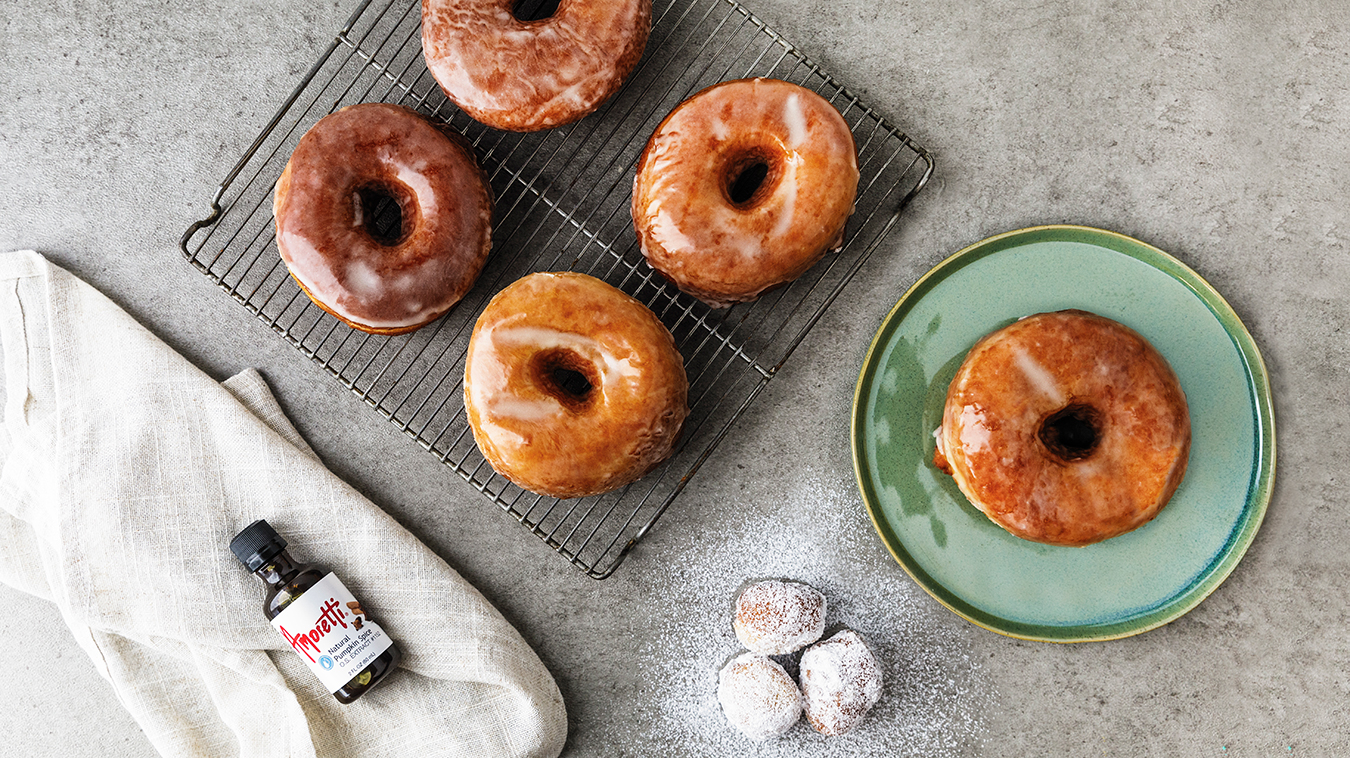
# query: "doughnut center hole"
{"type": "Point", "coordinates": [567, 377]}
{"type": "Point", "coordinates": [744, 185]}
{"type": "Point", "coordinates": [750, 177]}
{"type": "Point", "coordinates": [1072, 433]}
{"type": "Point", "coordinates": [534, 10]}
{"type": "Point", "coordinates": [572, 382]}
{"type": "Point", "coordinates": [379, 209]}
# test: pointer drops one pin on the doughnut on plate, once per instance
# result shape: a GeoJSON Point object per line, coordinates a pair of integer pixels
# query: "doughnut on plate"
{"type": "Point", "coordinates": [1116, 588]}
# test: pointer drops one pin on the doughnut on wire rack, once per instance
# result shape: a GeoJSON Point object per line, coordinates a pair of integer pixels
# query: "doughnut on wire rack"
{"type": "Point", "coordinates": [563, 199]}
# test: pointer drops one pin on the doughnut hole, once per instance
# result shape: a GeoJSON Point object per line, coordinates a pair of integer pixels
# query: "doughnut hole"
{"type": "Point", "coordinates": [750, 174]}
{"type": "Point", "coordinates": [758, 696]}
{"type": "Point", "coordinates": [566, 376]}
{"type": "Point", "coordinates": [778, 618]}
{"type": "Point", "coordinates": [386, 210]}
{"type": "Point", "coordinates": [841, 680]}
{"type": "Point", "coordinates": [1071, 433]}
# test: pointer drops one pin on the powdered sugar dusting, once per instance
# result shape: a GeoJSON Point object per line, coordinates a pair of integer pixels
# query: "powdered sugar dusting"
{"type": "Point", "coordinates": [841, 680]}
{"type": "Point", "coordinates": [935, 694]}
{"type": "Point", "coordinates": [775, 618]}
{"type": "Point", "coordinates": [758, 697]}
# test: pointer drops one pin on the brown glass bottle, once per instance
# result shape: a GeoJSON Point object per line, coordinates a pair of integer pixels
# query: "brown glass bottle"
{"type": "Point", "coordinates": [263, 552]}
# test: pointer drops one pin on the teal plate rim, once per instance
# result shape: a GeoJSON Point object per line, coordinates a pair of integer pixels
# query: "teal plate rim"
{"type": "Point", "coordinates": [1259, 487]}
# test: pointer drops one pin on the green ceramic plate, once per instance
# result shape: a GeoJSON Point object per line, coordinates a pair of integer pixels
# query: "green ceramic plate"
{"type": "Point", "coordinates": [1113, 589]}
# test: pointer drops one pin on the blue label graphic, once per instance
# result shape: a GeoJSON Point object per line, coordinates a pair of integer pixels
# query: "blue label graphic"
{"type": "Point", "coordinates": [326, 662]}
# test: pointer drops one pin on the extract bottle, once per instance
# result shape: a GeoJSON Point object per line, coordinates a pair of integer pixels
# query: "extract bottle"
{"type": "Point", "coordinates": [317, 616]}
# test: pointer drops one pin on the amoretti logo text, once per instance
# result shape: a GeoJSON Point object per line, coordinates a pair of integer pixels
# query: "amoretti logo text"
{"type": "Point", "coordinates": [331, 616]}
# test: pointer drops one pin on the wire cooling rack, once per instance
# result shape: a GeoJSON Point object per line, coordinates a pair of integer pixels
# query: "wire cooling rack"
{"type": "Point", "coordinates": [562, 199]}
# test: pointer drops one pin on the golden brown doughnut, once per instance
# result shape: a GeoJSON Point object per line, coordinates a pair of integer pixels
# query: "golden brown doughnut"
{"type": "Point", "coordinates": [324, 204]}
{"type": "Point", "coordinates": [1065, 428]}
{"type": "Point", "coordinates": [744, 187]}
{"type": "Point", "coordinates": [572, 387]}
{"type": "Point", "coordinates": [524, 76]}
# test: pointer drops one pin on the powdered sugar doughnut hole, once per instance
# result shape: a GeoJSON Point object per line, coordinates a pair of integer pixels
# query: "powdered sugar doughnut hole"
{"type": "Point", "coordinates": [937, 695]}
{"type": "Point", "coordinates": [840, 682]}
{"type": "Point", "coordinates": [758, 697]}
{"type": "Point", "coordinates": [776, 618]}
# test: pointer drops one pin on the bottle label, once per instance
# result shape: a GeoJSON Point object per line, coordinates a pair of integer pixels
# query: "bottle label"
{"type": "Point", "coordinates": [329, 629]}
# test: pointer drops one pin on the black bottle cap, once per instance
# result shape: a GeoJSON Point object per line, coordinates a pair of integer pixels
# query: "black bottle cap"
{"type": "Point", "coordinates": [257, 544]}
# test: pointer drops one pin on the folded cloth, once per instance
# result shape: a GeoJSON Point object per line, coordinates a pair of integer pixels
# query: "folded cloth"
{"type": "Point", "coordinates": [126, 472]}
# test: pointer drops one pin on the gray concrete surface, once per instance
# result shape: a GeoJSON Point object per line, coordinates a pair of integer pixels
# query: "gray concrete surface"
{"type": "Point", "coordinates": [1218, 131]}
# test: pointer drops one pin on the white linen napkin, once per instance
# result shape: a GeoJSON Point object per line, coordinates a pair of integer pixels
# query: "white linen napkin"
{"type": "Point", "coordinates": [126, 472]}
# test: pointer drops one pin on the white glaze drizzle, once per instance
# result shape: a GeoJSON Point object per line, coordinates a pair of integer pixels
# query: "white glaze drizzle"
{"type": "Point", "coordinates": [974, 432]}
{"type": "Point", "coordinates": [795, 120]}
{"type": "Point", "coordinates": [312, 269]}
{"type": "Point", "coordinates": [787, 190]}
{"type": "Point", "coordinates": [363, 280]}
{"type": "Point", "coordinates": [488, 378]}
{"type": "Point", "coordinates": [509, 406]}
{"type": "Point", "coordinates": [613, 369]}
{"type": "Point", "coordinates": [1035, 373]}
{"type": "Point", "coordinates": [415, 178]}
{"type": "Point", "coordinates": [667, 229]}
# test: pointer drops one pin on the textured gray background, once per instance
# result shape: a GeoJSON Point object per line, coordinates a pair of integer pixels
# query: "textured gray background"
{"type": "Point", "coordinates": [1214, 130]}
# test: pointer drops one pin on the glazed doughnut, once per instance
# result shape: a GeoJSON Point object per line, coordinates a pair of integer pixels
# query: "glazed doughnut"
{"type": "Point", "coordinates": [743, 187]}
{"type": "Point", "coordinates": [758, 697]}
{"type": "Point", "coordinates": [383, 283]}
{"type": "Point", "coordinates": [1065, 428]}
{"type": "Point", "coordinates": [776, 618]}
{"type": "Point", "coordinates": [523, 75]}
{"type": "Point", "coordinates": [572, 388]}
{"type": "Point", "coordinates": [841, 681]}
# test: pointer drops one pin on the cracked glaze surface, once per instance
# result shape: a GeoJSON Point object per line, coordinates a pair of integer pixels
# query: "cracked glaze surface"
{"type": "Point", "coordinates": [530, 75]}
{"type": "Point", "coordinates": [537, 436]}
{"type": "Point", "coordinates": [724, 252]}
{"type": "Point", "coordinates": [321, 225]}
{"type": "Point", "coordinates": [1017, 377]}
